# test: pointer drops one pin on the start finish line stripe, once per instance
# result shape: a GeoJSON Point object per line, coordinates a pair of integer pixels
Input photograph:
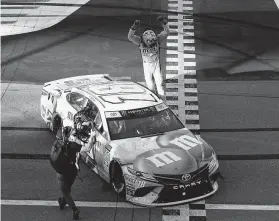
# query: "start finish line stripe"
{"type": "Point", "coordinates": [241, 207]}
{"type": "Point", "coordinates": [128, 205]}
{"type": "Point", "coordinates": [79, 203]}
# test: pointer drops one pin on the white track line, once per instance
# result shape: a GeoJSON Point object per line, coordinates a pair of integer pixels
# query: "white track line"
{"type": "Point", "coordinates": [187, 2]}
{"type": "Point", "coordinates": [79, 203]}
{"type": "Point", "coordinates": [277, 3]}
{"type": "Point", "coordinates": [191, 107]}
{"type": "Point", "coordinates": [197, 213]}
{"type": "Point", "coordinates": [172, 52]}
{"type": "Point", "coordinates": [172, 59]}
{"type": "Point", "coordinates": [129, 205]}
{"type": "Point", "coordinates": [190, 72]}
{"type": "Point", "coordinates": [190, 56]}
{"type": "Point", "coordinates": [241, 207]}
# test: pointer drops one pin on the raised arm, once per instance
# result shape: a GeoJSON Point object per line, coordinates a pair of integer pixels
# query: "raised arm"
{"type": "Point", "coordinates": [165, 33]}
{"type": "Point", "coordinates": [131, 35]}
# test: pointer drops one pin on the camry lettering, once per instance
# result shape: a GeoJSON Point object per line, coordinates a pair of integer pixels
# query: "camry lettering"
{"type": "Point", "coordinates": [187, 185]}
{"type": "Point", "coordinates": [163, 158]}
{"type": "Point", "coordinates": [185, 142]}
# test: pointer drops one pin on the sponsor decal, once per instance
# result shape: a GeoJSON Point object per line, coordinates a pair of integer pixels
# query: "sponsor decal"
{"type": "Point", "coordinates": [164, 158]}
{"type": "Point", "coordinates": [185, 142]}
{"type": "Point", "coordinates": [106, 160]}
{"type": "Point", "coordinates": [108, 147]}
{"type": "Point", "coordinates": [184, 186]}
{"type": "Point", "coordinates": [139, 112]}
{"type": "Point", "coordinates": [117, 90]}
{"type": "Point", "coordinates": [161, 107]}
{"type": "Point", "coordinates": [149, 51]}
{"type": "Point", "coordinates": [186, 177]}
{"type": "Point", "coordinates": [114, 114]}
{"type": "Point", "coordinates": [129, 179]}
{"type": "Point", "coordinates": [133, 183]}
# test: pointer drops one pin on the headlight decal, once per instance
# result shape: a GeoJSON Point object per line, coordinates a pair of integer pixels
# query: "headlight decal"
{"type": "Point", "coordinates": [213, 162]}
{"type": "Point", "coordinates": [144, 176]}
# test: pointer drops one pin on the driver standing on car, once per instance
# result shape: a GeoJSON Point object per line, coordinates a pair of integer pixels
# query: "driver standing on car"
{"type": "Point", "coordinates": [149, 45]}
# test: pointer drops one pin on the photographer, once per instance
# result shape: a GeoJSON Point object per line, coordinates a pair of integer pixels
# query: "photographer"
{"type": "Point", "coordinates": [74, 140]}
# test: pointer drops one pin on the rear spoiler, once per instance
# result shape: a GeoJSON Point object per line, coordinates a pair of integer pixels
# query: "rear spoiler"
{"type": "Point", "coordinates": [78, 78]}
{"type": "Point", "coordinates": [119, 78]}
{"type": "Point", "coordinates": [68, 83]}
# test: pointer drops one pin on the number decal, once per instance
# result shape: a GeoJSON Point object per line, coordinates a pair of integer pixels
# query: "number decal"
{"type": "Point", "coordinates": [163, 158]}
{"type": "Point", "coordinates": [185, 142]}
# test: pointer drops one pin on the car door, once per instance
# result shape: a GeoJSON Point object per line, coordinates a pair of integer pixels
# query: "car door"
{"type": "Point", "coordinates": [100, 151]}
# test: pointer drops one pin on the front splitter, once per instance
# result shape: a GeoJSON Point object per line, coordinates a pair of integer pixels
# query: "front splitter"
{"type": "Point", "coordinates": [142, 201]}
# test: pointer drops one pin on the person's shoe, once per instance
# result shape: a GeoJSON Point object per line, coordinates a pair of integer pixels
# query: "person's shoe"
{"type": "Point", "coordinates": [76, 213]}
{"type": "Point", "coordinates": [62, 203]}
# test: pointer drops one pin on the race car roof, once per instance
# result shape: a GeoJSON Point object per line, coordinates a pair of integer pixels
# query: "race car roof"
{"type": "Point", "coordinates": [121, 95]}
{"type": "Point", "coordinates": [74, 82]}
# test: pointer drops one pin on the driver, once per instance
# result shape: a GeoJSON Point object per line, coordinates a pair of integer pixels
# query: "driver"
{"type": "Point", "coordinates": [118, 126]}
{"type": "Point", "coordinates": [149, 45]}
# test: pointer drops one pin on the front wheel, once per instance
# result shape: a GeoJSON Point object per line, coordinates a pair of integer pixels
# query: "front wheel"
{"type": "Point", "coordinates": [117, 180]}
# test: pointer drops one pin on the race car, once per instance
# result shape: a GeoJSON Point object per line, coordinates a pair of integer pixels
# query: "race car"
{"type": "Point", "coordinates": [142, 148]}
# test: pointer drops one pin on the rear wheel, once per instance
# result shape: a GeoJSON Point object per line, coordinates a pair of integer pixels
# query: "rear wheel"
{"type": "Point", "coordinates": [117, 179]}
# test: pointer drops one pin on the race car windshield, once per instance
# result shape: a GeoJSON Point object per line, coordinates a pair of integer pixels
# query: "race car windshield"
{"type": "Point", "coordinates": [146, 124]}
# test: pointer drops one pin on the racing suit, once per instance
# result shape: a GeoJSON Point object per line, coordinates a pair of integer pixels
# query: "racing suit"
{"type": "Point", "coordinates": [66, 180]}
{"type": "Point", "coordinates": [150, 59]}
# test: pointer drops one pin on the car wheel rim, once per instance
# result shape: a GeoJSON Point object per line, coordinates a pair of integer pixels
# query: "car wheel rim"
{"type": "Point", "coordinates": [118, 186]}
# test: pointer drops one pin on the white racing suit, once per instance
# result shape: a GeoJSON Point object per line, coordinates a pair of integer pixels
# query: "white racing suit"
{"type": "Point", "coordinates": [151, 60]}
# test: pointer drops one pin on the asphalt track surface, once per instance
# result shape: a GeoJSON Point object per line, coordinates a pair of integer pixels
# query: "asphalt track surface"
{"type": "Point", "coordinates": [238, 111]}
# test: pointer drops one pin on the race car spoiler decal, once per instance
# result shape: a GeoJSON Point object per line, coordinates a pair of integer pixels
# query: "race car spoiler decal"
{"type": "Point", "coordinates": [77, 81]}
{"type": "Point", "coordinates": [147, 111]}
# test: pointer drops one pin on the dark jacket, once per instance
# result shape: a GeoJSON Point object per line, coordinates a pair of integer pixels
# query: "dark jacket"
{"type": "Point", "coordinates": [72, 149]}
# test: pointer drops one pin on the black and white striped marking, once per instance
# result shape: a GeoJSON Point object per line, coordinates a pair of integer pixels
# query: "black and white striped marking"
{"type": "Point", "coordinates": [190, 212]}
{"type": "Point", "coordinates": [181, 83]}
{"type": "Point", "coordinates": [181, 89]}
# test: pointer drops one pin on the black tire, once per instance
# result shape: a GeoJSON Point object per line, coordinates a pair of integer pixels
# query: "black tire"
{"type": "Point", "coordinates": [117, 180]}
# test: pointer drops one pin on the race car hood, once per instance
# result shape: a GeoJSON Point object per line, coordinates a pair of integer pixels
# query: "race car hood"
{"type": "Point", "coordinates": [163, 154]}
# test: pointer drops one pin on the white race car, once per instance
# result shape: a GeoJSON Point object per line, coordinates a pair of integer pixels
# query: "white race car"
{"type": "Point", "coordinates": [143, 150]}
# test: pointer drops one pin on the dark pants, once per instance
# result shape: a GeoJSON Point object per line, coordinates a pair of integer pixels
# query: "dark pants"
{"type": "Point", "coordinates": [65, 185]}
